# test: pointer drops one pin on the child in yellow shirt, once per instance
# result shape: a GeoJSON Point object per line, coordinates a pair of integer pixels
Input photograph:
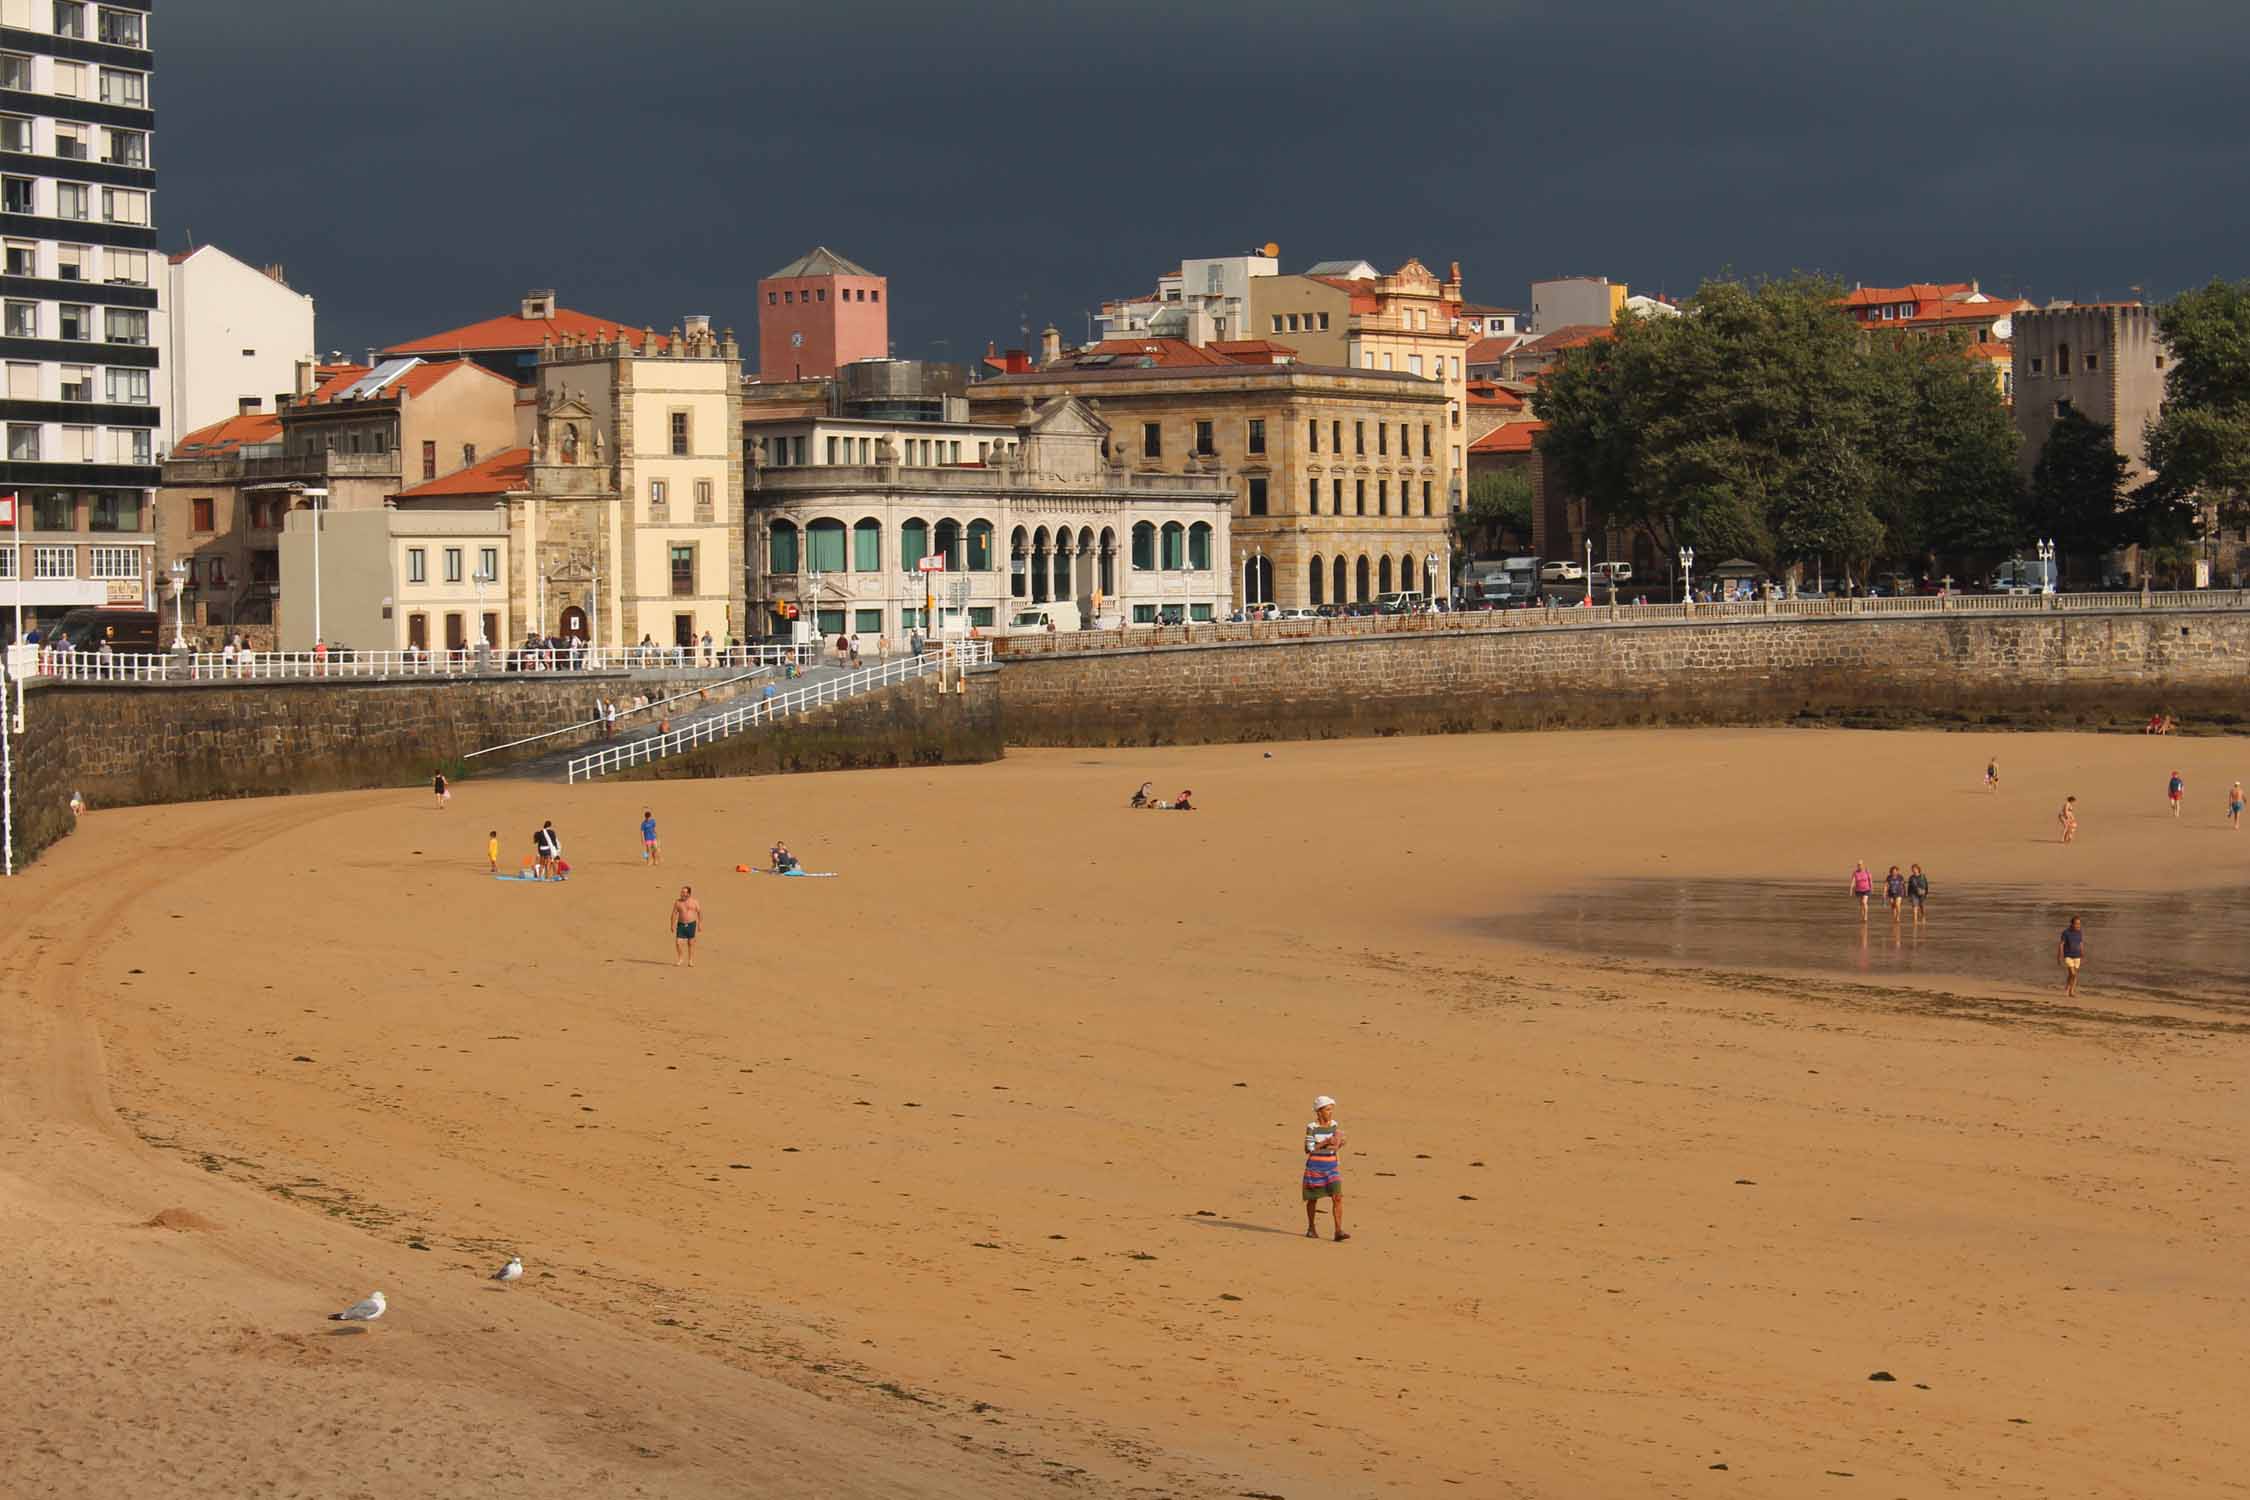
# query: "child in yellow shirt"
{"type": "Point", "coordinates": [492, 850]}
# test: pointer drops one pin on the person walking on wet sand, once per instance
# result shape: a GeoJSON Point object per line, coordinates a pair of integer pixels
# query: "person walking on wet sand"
{"type": "Point", "coordinates": [2173, 790]}
{"type": "Point", "coordinates": [686, 920]}
{"type": "Point", "coordinates": [1894, 892]}
{"type": "Point", "coordinates": [1863, 885]}
{"type": "Point", "coordinates": [2068, 819]}
{"type": "Point", "coordinates": [2070, 949]}
{"type": "Point", "coordinates": [1324, 1178]}
{"type": "Point", "coordinates": [1992, 774]}
{"type": "Point", "coordinates": [1918, 892]}
{"type": "Point", "coordinates": [444, 792]}
{"type": "Point", "coordinates": [2234, 807]}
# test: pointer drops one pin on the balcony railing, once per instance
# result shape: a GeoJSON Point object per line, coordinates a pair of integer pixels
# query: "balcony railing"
{"type": "Point", "coordinates": [323, 465]}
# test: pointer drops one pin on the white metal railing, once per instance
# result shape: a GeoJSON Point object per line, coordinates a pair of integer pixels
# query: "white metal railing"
{"type": "Point", "coordinates": [619, 713]}
{"type": "Point", "coordinates": [1564, 616]}
{"type": "Point", "coordinates": [259, 666]}
{"type": "Point", "coordinates": [775, 706]}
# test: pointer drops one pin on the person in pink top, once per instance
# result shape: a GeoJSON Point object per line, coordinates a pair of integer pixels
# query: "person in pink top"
{"type": "Point", "coordinates": [1863, 885]}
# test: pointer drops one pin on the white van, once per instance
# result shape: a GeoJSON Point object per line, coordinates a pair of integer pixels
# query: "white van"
{"type": "Point", "coordinates": [1613, 572]}
{"type": "Point", "coordinates": [1042, 618]}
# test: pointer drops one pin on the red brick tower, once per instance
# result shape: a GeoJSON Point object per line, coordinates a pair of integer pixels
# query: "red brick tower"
{"type": "Point", "coordinates": [818, 312]}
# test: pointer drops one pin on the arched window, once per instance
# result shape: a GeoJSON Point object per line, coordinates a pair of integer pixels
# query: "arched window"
{"type": "Point", "coordinates": [1362, 580]}
{"type": "Point", "coordinates": [1314, 580]}
{"type": "Point", "coordinates": [824, 546]}
{"type": "Point", "coordinates": [1175, 546]}
{"type": "Point", "coordinates": [913, 543]}
{"type": "Point", "coordinates": [1019, 562]}
{"type": "Point", "coordinates": [1144, 547]}
{"type": "Point", "coordinates": [949, 543]}
{"type": "Point", "coordinates": [1407, 577]}
{"type": "Point", "coordinates": [1199, 546]}
{"type": "Point", "coordinates": [1343, 593]}
{"type": "Point", "coordinates": [1384, 573]}
{"type": "Point", "coordinates": [1040, 566]}
{"type": "Point", "coordinates": [781, 548]}
{"type": "Point", "coordinates": [1109, 561]}
{"type": "Point", "coordinates": [1061, 565]}
{"type": "Point", "coordinates": [980, 547]}
{"type": "Point", "coordinates": [867, 545]}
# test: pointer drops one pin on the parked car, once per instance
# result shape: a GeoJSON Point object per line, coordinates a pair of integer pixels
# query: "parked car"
{"type": "Point", "coordinates": [1612, 572]}
{"type": "Point", "coordinates": [1561, 572]}
{"type": "Point", "coordinates": [1296, 614]}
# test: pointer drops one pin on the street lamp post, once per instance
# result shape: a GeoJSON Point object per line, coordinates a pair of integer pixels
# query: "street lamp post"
{"type": "Point", "coordinates": [480, 578]}
{"type": "Point", "coordinates": [1589, 568]}
{"type": "Point", "coordinates": [319, 499]}
{"type": "Point", "coordinates": [1430, 567]}
{"type": "Point", "coordinates": [1687, 575]}
{"type": "Point", "coordinates": [2046, 549]}
{"type": "Point", "coordinates": [179, 571]}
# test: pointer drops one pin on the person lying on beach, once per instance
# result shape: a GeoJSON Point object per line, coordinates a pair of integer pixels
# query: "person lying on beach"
{"type": "Point", "coordinates": [1142, 797]}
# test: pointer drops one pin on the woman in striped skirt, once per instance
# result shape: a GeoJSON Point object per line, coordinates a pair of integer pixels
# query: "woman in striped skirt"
{"type": "Point", "coordinates": [1324, 1137]}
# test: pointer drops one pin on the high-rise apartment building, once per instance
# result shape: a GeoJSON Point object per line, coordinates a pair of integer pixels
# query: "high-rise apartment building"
{"type": "Point", "coordinates": [80, 330]}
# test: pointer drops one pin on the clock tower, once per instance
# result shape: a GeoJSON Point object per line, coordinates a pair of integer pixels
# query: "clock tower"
{"type": "Point", "coordinates": [818, 312]}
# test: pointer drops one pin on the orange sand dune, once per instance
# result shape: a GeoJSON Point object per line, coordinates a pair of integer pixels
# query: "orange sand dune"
{"type": "Point", "coordinates": [973, 1171]}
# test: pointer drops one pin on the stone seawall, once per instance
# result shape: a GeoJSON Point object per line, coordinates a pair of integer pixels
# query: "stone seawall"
{"type": "Point", "coordinates": [911, 724]}
{"type": "Point", "coordinates": [121, 745]}
{"type": "Point", "coordinates": [2074, 670]}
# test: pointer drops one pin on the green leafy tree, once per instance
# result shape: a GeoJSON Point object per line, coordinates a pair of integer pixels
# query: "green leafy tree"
{"type": "Point", "coordinates": [2078, 488]}
{"type": "Point", "coordinates": [1498, 515]}
{"type": "Point", "coordinates": [2199, 443]}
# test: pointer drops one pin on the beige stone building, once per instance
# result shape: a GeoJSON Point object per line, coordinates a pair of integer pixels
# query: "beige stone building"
{"type": "Point", "coordinates": [1338, 476]}
{"type": "Point", "coordinates": [394, 577]}
{"type": "Point", "coordinates": [1038, 510]}
{"type": "Point", "coordinates": [1407, 323]}
{"type": "Point", "coordinates": [630, 524]}
{"type": "Point", "coordinates": [2103, 360]}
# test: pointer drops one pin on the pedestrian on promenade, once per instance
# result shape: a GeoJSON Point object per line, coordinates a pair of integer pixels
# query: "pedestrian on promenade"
{"type": "Point", "coordinates": [855, 651]}
{"type": "Point", "coordinates": [1863, 885]}
{"type": "Point", "coordinates": [2070, 949]}
{"type": "Point", "coordinates": [1324, 1177]}
{"type": "Point", "coordinates": [685, 921]}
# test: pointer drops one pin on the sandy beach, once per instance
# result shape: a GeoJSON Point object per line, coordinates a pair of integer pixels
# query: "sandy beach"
{"type": "Point", "coordinates": [974, 1171]}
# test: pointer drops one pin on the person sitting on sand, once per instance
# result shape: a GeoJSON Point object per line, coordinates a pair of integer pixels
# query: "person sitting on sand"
{"type": "Point", "coordinates": [1181, 803]}
{"type": "Point", "coordinates": [1145, 795]}
{"type": "Point", "coordinates": [2155, 724]}
{"type": "Point", "coordinates": [783, 860]}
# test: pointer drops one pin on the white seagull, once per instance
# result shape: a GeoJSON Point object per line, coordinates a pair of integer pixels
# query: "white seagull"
{"type": "Point", "coordinates": [512, 1271]}
{"type": "Point", "coordinates": [361, 1312]}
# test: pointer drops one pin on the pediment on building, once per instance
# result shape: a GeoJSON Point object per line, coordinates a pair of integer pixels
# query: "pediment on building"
{"type": "Point", "coordinates": [1063, 416]}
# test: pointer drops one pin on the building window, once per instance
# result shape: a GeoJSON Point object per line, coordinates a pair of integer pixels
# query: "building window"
{"type": "Point", "coordinates": [1382, 439]}
{"type": "Point", "coordinates": [797, 451]}
{"type": "Point", "coordinates": [1175, 547]}
{"type": "Point", "coordinates": [1425, 440]}
{"type": "Point", "coordinates": [73, 200]}
{"type": "Point", "coordinates": [468, 453]}
{"type": "Point", "coordinates": [54, 562]}
{"type": "Point", "coordinates": [2063, 407]}
{"type": "Point", "coordinates": [1359, 498]}
{"type": "Point", "coordinates": [453, 565]}
{"type": "Point", "coordinates": [1335, 497]}
{"type": "Point", "coordinates": [1390, 361]}
{"type": "Point", "coordinates": [832, 450]}
{"type": "Point", "coordinates": [22, 258]}
{"type": "Point", "coordinates": [1382, 497]}
{"type": "Point", "coordinates": [125, 325]}
{"type": "Point", "coordinates": [679, 434]}
{"type": "Point", "coordinates": [703, 498]}
{"type": "Point", "coordinates": [1426, 498]}
{"type": "Point", "coordinates": [121, 86]}
{"type": "Point", "coordinates": [1312, 497]}
{"type": "Point", "coordinates": [70, 79]}
{"type": "Point", "coordinates": [124, 205]}
{"type": "Point", "coordinates": [70, 19]}
{"type": "Point", "coordinates": [1414, 364]}
{"type": "Point", "coordinates": [773, 299]}
{"type": "Point", "coordinates": [79, 446]}
{"type": "Point", "coordinates": [1257, 442]}
{"type": "Point", "coordinates": [1323, 322]}
{"type": "Point", "coordinates": [2038, 365]}
{"type": "Point", "coordinates": [1199, 547]}
{"type": "Point", "coordinates": [1276, 316]}
{"type": "Point", "coordinates": [1152, 440]}
{"type": "Point", "coordinates": [116, 564]}
{"type": "Point", "coordinates": [683, 570]}
{"type": "Point", "coordinates": [781, 548]}
{"type": "Point", "coordinates": [122, 28]}
{"type": "Point", "coordinates": [22, 320]}
{"type": "Point", "coordinates": [23, 442]}
{"type": "Point", "coordinates": [417, 565]}
{"type": "Point", "coordinates": [15, 134]}
{"type": "Point", "coordinates": [658, 493]}
{"type": "Point", "coordinates": [2093, 363]}
{"type": "Point", "coordinates": [488, 564]}
{"type": "Point", "coordinates": [112, 511]}
{"type": "Point", "coordinates": [1257, 496]}
{"type": "Point", "coordinates": [215, 572]}
{"type": "Point", "coordinates": [1312, 436]}
{"type": "Point", "coordinates": [15, 72]}
{"type": "Point", "coordinates": [1144, 547]}
{"type": "Point", "coordinates": [204, 511]}
{"type": "Point", "coordinates": [867, 546]}
{"type": "Point", "coordinates": [1203, 442]}
{"type": "Point", "coordinates": [429, 457]}
{"type": "Point", "coordinates": [1359, 439]}
{"type": "Point", "coordinates": [126, 387]}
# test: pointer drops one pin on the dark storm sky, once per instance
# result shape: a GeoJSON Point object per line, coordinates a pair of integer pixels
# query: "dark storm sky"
{"type": "Point", "coordinates": [419, 163]}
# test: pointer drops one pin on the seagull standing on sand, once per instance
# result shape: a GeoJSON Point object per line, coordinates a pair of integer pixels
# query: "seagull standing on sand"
{"type": "Point", "coordinates": [512, 1271]}
{"type": "Point", "coordinates": [361, 1312]}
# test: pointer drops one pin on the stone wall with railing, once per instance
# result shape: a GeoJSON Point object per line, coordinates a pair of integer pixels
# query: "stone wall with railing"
{"type": "Point", "coordinates": [2045, 663]}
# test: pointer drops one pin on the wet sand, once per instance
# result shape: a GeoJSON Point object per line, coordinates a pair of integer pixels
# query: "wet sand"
{"type": "Point", "coordinates": [973, 1170]}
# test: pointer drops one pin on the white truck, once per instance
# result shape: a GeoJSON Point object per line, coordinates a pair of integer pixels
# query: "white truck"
{"type": "Point", "coordinates": [1032, 619]}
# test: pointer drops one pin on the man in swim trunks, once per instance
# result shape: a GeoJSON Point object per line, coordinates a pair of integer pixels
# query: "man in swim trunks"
{"type": "Point", "coordinates": [649, 849]}
{"type": "Point", "coordinates": [2172, 791]}
{"type": "Point", "coordinates": [2234, 807]}
{"type": "Point", "coordinates": [687, 917]}
{"type": "Point", "coordinates": [2070, 948]}
{"type": "Point", "coordinates": [1324, 1178]}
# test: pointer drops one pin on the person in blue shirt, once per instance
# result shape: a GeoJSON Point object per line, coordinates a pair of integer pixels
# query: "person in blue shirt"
{"type": "Point", "coordinates": [2071, 949]}
{"type": "Point", "coordinates": [649, 849]}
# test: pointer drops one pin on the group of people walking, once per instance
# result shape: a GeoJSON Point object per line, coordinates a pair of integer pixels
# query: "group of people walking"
{"type": "Point", "coordinates": [1900, 891]}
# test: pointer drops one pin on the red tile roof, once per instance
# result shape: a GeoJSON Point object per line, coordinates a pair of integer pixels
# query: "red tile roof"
{"type": "Point", "coordinates": [1252, 351]}
{"type": "Point", "coordinates": [1573, 336]}
{"type": "Point", "coordinates": [1509, 437]}
{"type": "Point", "coordinates": [414, 382]}
{"type": "Point", "coordinates": [1494, 349]}
{"type": "Point", "coordinates": [1991, 351]}
{"type": "Point", "coordinates": [332, 379]}
{"type": "Point", "coordinates": [505, 471]}
{"type": "Point", "coordinates": [224, 439]}
{"type": "Point", "coordinates": [1485, 393]}
{"type": "Point", "coordinates": [515, 331]}
{"type": "Point", "coordinates": [1159, 353]}
{"type": "Point", "coordinates": [1919, 291]}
